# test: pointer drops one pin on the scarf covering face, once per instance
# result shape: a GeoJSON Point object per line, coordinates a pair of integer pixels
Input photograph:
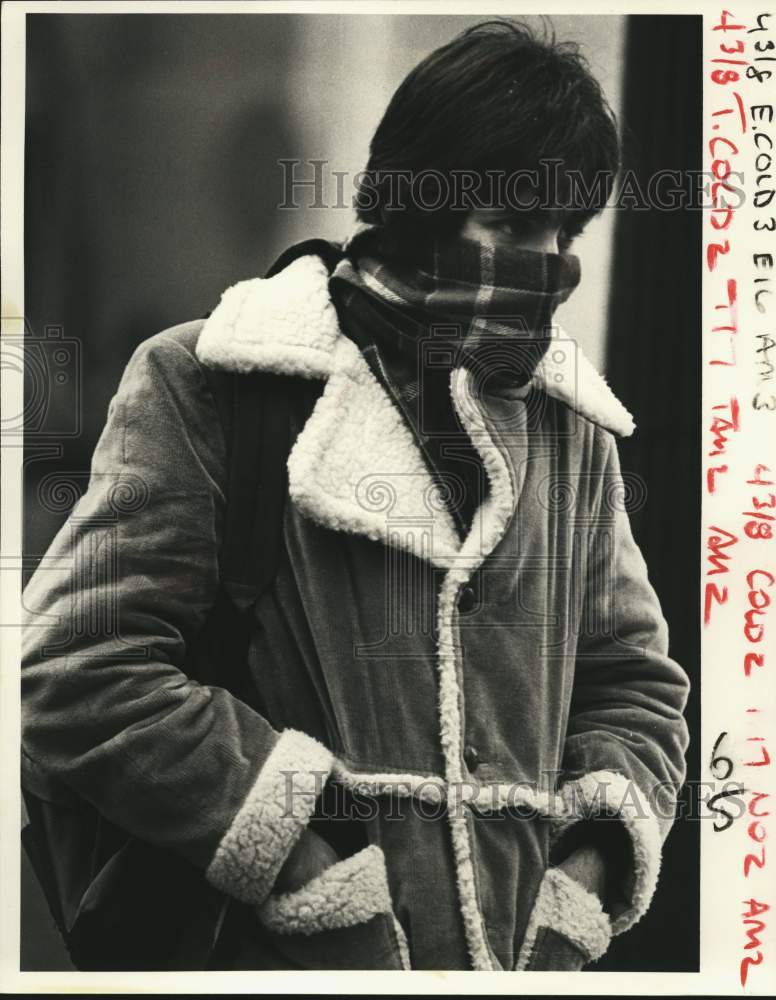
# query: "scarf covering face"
{"type": "Point", "coordinates": [419, 306]}
{"type": "Point", "coordinates": [486, 307]}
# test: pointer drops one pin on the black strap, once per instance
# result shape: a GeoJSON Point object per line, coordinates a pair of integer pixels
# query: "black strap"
{"type": "Point", "coordinates": [330, 253]}
{"type": "Point", "coordinates": [258, 483]}
{"type": "Point", "coordinates": [256, 412]}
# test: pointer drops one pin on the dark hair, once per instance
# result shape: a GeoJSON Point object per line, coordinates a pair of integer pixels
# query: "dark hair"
{"type": "Point", "coordinates": [495, 100]}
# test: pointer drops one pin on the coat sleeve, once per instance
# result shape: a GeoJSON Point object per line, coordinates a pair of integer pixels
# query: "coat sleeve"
{"type": "Point", "coordinates": [624, 753]}
{"type": "Point", "coordinates": [124, 588]}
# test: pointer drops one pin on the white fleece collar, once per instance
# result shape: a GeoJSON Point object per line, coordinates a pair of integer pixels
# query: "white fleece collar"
{"type": "Point", "coordinates": [356, 465]}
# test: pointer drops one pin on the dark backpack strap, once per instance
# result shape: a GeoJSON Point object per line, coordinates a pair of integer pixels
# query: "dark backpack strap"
{"type": "Point", "coordinates": [258, 483]}
{"type": "Point", "coordinates": [256, 413]}
{"type": "Point", "coordinates": [330, 253]}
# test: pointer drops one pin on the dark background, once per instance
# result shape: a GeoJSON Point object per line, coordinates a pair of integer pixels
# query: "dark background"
{"type": "Point", "coordinates": [151, 185]}
{"type": "Point", "coordinates": [654, 361]}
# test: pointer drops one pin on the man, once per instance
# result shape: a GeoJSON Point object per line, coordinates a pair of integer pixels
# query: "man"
{"type": "Point", "coordinates": [456, 740]}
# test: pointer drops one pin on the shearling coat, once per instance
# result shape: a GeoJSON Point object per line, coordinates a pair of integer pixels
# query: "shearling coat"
{"type": "Point", "coordinates": [479, 695]}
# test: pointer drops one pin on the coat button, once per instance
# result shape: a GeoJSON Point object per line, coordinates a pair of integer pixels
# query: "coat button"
{"type": "Point", "coordinates": [467, 600]}
{"type": "Point", "coordinates": [471, 758]}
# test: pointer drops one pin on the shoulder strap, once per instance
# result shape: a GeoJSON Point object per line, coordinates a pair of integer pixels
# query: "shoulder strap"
{"type": "Point", "coordinates": [258, 483]}
{"type": "Point", "coordinates": [330, 253]}
{"type": "Point", "coordinates": [256, 413]}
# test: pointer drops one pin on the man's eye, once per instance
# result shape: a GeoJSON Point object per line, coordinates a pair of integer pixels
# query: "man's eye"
{"type": "Point", "coordinates": [515, 227]}
{"type": "Point", "coordinates": [518, 226]}
{"type": "Point", "coordinates": [567, 236]}
{"type": "Point", "coordinates": [564, 242]}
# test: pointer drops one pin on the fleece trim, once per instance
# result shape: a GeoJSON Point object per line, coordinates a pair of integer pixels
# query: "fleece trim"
{"type": "Point", "coordinates": [286, 324]}
{"type": "Point", "coordinates": [349, 892]}
{"type": "Point", "coordinates": [566, 374]}
{"type": "Point", "coordinates": [356, 467]}
{"type": "Point", "coordinates": [427, 788]}
{"type": "Point", "coordinates": [601, 792]}
{"type": "Point", "coordinates": [487, 528]}
{"type": "Point", "coordinates": [569, 909]}
{"type": "Point", "coordinates": [270, 821]}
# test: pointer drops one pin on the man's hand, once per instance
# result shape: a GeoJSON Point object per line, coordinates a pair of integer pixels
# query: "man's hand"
{"type": "Point", "coordinates": [309, 856]}
{"type": "Point", "coordinates": [587, 866]}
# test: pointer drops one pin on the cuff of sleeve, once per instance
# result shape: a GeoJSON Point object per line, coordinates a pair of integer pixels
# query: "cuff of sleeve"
{"type": "Point", "coordinates": [602, 793]}
{"type": "Point", "coordinates": [271, 819]}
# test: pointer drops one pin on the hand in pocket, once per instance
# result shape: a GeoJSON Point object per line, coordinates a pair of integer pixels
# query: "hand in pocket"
{"type": "Point", "coordinates": [341, 919]}
{"type": "Point", "coordinates": [586, 865]}
{"type": "Point", "coordinates": [310, 856]}
{"type": "Point", "coordinates": [567, 927]}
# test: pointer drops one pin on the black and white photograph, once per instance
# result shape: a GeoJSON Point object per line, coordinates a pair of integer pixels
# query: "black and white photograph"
{"type": "Point", "coordinates": [375, 400]}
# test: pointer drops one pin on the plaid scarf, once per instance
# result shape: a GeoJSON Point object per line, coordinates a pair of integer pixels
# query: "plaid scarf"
{"type": "Point", "coordinates": [490, 308]}
{"type": "Point", "coordinates": [418, 307]}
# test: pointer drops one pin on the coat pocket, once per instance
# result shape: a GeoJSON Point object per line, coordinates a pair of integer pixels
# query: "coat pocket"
{"type": "Point", "coordinates": [341, 919]}
{"type": "Point", "coordinates": [567, 927]}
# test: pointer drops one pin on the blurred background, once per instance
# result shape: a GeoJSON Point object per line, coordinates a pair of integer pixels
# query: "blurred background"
{"type": "Point", "coordinates": [153, 182]}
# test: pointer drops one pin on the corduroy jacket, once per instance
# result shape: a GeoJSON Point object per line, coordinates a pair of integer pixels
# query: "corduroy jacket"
{"type": "Point", "coordinates": [478, 696]}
